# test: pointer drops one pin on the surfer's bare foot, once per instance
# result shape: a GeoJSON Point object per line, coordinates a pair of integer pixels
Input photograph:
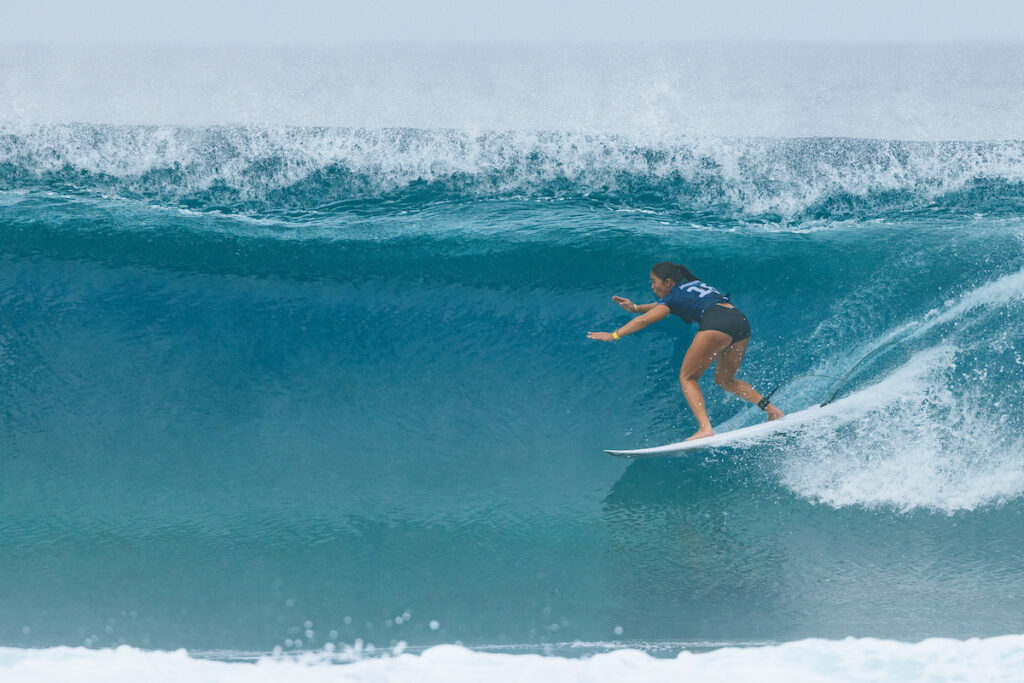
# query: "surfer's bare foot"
{"type": "Point", "coordinates": [774, 413]}
{"type": "Point", "coordinates": [701, 433]}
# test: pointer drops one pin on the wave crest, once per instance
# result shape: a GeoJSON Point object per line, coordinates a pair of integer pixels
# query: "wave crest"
{"type": "Point", "coordinates": [257, 170]}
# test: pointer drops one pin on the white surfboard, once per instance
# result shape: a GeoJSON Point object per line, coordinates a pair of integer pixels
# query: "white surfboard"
{"type": "Point", "coordinates": [735, 437]}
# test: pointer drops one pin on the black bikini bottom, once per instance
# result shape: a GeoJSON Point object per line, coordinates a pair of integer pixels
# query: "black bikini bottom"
{"type": "Point", "coordinates": [728, 320]}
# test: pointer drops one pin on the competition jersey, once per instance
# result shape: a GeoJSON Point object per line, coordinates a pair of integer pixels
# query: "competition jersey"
{"type": "Point", "coordinates": [690, 299]}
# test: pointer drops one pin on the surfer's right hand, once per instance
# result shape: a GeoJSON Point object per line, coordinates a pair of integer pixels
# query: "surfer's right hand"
{"type": "Point", "coordinates": [625, 303]}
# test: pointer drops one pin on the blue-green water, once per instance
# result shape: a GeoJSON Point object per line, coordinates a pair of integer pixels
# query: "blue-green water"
{"type": "Point", "coordinates": [253, 396]}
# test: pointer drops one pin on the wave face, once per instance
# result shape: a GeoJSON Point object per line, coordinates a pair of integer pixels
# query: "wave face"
{"type": "Point", "coordinates": [288, 386]}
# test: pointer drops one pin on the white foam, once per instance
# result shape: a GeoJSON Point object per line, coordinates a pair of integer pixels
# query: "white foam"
{"type": "Point", "coordinates": [908, 442]}
{"type": "Point", "coordinates": [866, 659]}
{"type": "Point", "coordinates": [747, 177]}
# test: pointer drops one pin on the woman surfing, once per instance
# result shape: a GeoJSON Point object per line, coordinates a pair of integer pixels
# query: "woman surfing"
{"type": "Point", "coordinates": [723, 334]}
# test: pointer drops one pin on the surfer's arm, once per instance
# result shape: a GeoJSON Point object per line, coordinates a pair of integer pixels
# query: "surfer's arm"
{"type": "Point", "coordinates": [656, 313]}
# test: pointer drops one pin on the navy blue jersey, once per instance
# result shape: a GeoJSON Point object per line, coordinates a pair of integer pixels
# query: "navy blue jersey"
{"type": "Point", "coordinates": [690, 299]}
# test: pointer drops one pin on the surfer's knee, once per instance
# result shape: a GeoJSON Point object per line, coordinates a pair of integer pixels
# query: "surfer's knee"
{"type": "Point", "coordinates": [686, 377]}
{"type": "Point", "coordinates": [689, 384]}
{"type": "Point", "coordinates": [727, 383]}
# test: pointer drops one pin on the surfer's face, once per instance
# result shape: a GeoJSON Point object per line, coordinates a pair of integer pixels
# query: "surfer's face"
{"type": "Point", "coordinates": [661, 287]}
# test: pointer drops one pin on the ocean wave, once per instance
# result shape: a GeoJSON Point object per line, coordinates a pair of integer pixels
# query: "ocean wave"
{"type": "Point", "coordinates": [261, 170]}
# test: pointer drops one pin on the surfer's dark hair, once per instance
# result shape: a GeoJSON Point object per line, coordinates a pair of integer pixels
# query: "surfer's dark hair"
{"type": "Point", "coordinates": [676, 272]}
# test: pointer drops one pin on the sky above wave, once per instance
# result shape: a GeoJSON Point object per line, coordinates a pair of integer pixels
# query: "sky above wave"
{"type": "Point", "coordinates": [923, 92]}
{"type": "Point", "coordinates": [327, 22]}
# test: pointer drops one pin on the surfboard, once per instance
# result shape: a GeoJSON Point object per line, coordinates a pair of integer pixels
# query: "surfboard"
{"type": "Point", "coordinates": [735, 437]}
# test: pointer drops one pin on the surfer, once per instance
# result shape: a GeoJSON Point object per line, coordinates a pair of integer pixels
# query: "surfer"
{"type": "Point", "coordinates": [723, 334]}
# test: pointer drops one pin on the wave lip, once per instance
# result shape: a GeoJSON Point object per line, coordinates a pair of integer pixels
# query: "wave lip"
{"type": "Point", "coordinates": [254, 170]}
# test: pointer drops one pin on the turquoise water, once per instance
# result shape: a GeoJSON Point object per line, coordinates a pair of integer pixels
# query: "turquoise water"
{"type": "Point", "coordinates": [293, 355]}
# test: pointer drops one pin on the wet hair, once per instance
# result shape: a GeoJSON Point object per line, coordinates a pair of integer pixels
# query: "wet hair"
{"type": "Point", "coordinates": [677, 272]}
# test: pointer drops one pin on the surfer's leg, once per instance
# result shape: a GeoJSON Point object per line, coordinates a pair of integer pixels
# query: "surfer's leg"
{"type": "Point", "coordinates": [729, 362]}
{"type": "Point", "coordinates": [699, 357]}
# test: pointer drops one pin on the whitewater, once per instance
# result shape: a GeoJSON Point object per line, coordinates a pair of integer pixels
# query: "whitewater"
{"type": "Point", "coordinates": [295, 383]}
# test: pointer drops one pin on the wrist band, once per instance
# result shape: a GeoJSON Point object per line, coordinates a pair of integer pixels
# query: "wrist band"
{"type": "Point", "coordinates": [763, 403]}
{"type": "Point", "coordinates": [615, 336]}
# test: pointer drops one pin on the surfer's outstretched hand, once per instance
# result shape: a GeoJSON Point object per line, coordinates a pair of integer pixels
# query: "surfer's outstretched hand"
{"type": "Point", "coordinates": [625, 303]}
